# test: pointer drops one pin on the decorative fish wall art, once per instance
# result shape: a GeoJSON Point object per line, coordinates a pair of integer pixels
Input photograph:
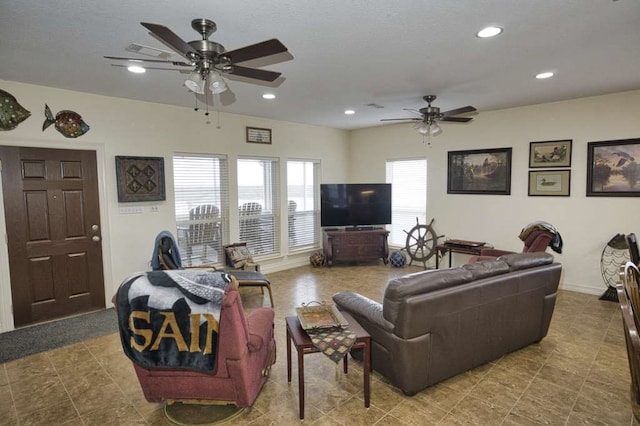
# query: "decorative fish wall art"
{"type": "Point", "coordinates": [11, 112]}
{"type": "Point", "coordinates": [69, 123]}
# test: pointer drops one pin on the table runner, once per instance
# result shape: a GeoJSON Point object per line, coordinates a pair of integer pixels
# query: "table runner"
{"type": "Point", "coordinates": [334, 342]}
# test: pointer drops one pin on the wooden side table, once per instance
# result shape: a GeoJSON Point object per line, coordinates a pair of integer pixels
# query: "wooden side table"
{"type": "Point", "coordinates": [454, 248]}
{"type": "Point", "coordinates": [303, 345]}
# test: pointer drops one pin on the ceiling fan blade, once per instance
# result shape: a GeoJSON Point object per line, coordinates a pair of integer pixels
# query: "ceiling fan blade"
{"type": "Point", "coordinates": [255, 73]}
{"type": "Point", "coordinates": [401, 119]}
{"type": "Point", "coordinates": [155, 61]}
{"type": "Point", "coordinates": [457, 111]}
{"type": "Point", "coordinates": [171, 39]}
{"type": "Point", "coordinates": [151, 68]}
{"type": "Point", "coordinates": [457, 119]}
{"type": "Point", "coordinates": [254, 51]}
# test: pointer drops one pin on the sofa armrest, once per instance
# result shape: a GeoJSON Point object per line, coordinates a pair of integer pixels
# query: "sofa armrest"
{"type": "Point", "coordinates": [260, 323]}
{"type": "Point", "coordinates": [361, 306]}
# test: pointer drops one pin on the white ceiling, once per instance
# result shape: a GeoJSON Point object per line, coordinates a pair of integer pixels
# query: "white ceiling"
{"type": "Point", "coordinates": [346, 54]}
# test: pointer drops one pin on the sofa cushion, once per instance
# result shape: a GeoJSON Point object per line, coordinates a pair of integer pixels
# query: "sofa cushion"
{"type": "Point", "coordinates": [518, 261]}
{"type": "Point", "coordinates": [486, 268]}
{"type": "Point", "coordinates": [398, 289]}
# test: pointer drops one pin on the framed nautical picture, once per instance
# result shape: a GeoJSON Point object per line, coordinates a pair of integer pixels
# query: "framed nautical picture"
{"type": "Point", "coordinates": [479, 171]}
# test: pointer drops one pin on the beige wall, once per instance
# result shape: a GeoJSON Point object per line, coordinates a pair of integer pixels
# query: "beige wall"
{"type": "Point", "coordinates": [585, 223]}
{"type": "Point", "coordinates": [125, 127]}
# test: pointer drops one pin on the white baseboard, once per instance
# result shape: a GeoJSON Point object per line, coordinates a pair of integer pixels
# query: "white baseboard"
{"type": "Point", "coordinates": [582, 289]}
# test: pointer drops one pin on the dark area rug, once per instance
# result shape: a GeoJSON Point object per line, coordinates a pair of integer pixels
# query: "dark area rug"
{"type": "Point", "coordinates": [55, 334]}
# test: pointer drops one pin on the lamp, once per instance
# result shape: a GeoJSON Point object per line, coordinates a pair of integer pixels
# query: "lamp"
{"type": "Point", "coordinates": [216, 83]}
{"type": "Point", "coordinates": [195, 82]}
{"type": "Point", "coordinates": [430, 128]}
{"type": "Point", "coordinates": [434, 129]}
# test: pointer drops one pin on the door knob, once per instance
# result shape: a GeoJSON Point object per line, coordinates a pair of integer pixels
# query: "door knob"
{"type": "Point", "coordinates": [95, 238]}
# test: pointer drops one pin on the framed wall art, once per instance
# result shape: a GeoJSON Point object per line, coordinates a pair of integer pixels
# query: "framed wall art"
{"type": "Point", "coordinates": [550, 154]}
{"type": "Point", "coordinates": [258, 135]}
{"type": "Point", "coordinates": [550, 183]}
{"type": "Point", "coordinates": [480, 171]}
{"type": "Point", "coordinates": [612, 168]}
{"type": "Point", "coordinates": [140, 179]}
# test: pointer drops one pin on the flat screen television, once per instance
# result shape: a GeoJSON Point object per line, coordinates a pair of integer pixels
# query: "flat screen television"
{"type": "Point", "coordinates": [355, 204]}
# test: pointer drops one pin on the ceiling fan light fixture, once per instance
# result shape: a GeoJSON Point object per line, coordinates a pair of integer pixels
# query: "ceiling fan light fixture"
{"type": "Point", "coordinates": [195, 83]}
{"type": "Point", "coordinates": [422, 128]}
{"type": "Point", "coordinates": [434, 129]}
{"type": "Point", "coordinates": [216, 83]}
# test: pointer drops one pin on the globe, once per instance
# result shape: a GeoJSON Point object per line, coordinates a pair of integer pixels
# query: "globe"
{"type": "Point", "coordinates": [397, 259]}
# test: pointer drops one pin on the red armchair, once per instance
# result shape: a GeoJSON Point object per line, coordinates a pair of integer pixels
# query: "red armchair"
{"type": "Point", "coordinates": [246, 351]}
{"type": "Point", "coordinates": [537, 241]}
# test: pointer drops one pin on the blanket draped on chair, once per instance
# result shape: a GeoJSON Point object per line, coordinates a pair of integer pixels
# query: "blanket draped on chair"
{"type": "Point", "coordinates": [170, 318]}
{"type": "Point", "coordinates": [556, 243]}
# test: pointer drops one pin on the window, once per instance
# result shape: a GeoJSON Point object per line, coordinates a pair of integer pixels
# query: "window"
{"type": "Point", "coordinates": [202, 205]}
{"type": "Point", "coordinates": [408, 197]}
{"type": "Point", "coordinates": [259, 204]}
{"type": "Point", "coordinates": [303, 203]}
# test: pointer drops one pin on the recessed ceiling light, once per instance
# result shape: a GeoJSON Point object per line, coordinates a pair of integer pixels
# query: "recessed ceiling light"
{"type": "Point", "coordinates": [268, 96]}
{"type": "Point", "coordinates": [136, 69]}
{"type": "Point", "coordinates": [489, 32]}
{"type": "Point", "coordinates": [544, 75]}
{"type": "Point", "coordinates": [349, 111]}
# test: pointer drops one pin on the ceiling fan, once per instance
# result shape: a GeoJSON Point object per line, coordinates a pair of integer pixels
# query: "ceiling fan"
{"type": "Point", "coordinates": [208, 59]}
{"type": "Point", "coordinates": [430, 115]}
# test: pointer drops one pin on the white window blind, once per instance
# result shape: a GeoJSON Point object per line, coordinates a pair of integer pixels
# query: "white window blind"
{"type": "Point", "coordinates": [202, 207]}
{"type": "Point", "coordinates": [408, 197]}
{"type": "Point", "coordinates": [259, 204]}
{"type": "Point", "coordinates": [303, 203]}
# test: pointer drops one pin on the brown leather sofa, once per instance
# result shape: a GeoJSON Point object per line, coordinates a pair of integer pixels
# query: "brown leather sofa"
{"type": "Point", "coordinates": [435, 324]}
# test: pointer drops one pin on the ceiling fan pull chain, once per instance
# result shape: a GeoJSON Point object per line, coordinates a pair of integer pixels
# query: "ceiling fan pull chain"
{"type": "Point", "coordinates": [206, 95]}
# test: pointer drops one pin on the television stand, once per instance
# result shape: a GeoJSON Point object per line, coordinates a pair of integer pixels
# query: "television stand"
{"type": "Point", "coordinates": [364, 245]}
{"type": "Point", "coordinates": [362, 228]}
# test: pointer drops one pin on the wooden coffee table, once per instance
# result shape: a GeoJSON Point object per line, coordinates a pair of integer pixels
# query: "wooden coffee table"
{"type": "Point", "coordinates": [303, 345]}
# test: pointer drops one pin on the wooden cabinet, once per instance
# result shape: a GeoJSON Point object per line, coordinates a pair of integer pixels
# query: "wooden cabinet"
{"type": "Point", "coordinates": [355, 246]}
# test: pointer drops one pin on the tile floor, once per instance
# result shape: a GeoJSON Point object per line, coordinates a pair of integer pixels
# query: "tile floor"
{"type": "Point", "coordinates": [577, 375]}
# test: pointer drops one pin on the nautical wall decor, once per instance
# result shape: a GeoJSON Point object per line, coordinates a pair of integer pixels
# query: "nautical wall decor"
{"type": "Point", "coordinates": [11, 112]}
{"type": "Point", "coordinates": [69, 123]}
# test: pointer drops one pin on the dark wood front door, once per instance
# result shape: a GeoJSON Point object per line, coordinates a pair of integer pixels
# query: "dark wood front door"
{"type": "Point", "coordinates": [53, 232]}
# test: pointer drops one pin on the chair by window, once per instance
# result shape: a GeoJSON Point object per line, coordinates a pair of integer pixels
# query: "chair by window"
{"type": "Point", "coordinates": [244, 269]}
{"type": "Point", "coordinates": [251, 225]}
{"type": "Point", "coordinates": [238, 256]}
{"type": "Point", "coordinates": [204, 231]}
